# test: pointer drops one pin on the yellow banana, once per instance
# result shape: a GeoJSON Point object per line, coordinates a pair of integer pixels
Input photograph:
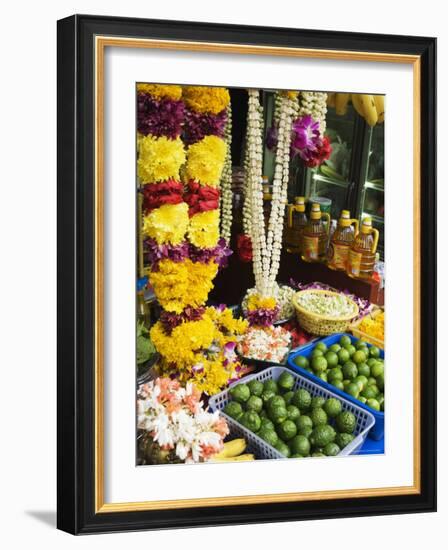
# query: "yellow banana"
{"type": "Point", "coordinates": [232, 448]}
{"type": "Point", "coordinates": [365, 106]}
{"type": "Point", "coordinates": [379, 104]}
{"type": "Point", "coordinates": [331, 99]}
{"type": "Point", "coordinates": [341, 101]}
{"type": "Point", "coordinates": [240, 458]}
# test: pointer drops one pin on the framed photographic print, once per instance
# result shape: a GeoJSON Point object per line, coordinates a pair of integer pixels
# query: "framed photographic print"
{"type": "Point", "coordinates": [246, 274]}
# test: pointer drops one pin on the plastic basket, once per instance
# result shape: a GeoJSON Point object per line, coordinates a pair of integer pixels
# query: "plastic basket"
{"type": "Point", "coordinates": [377, 431]}
{"type": "Point", "coordinates": [355, 330]}
{"type": "Point", "coordinates": [256, 445]}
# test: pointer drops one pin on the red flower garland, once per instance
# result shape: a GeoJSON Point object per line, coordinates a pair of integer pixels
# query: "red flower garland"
{"type": "Point", "coordinates": [156, 195]}
{"type": "Point", "coordinates": [323, 152]}
{"type": "Point", "coordinates": [201, 198]}
{"type": "Point", "coordinates": [244, 248]}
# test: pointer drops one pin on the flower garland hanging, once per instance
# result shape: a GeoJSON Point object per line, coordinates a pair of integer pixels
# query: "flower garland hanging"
{"type": "Point", "coordinates": [226, 182]}
{"type": "Point", "coordinates": [308, 140]}
{"type": "Point", "coordinates": [267, 245]}
{"type": "Point", "coordinates": [181, 223]}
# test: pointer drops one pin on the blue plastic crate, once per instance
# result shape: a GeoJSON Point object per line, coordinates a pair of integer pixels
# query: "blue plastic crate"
{"type": "Point", "coordinates": [377, 432]}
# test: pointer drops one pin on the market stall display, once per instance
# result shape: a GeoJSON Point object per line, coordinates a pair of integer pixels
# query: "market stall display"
{"type": "Point", "coordinates": [217, 377]}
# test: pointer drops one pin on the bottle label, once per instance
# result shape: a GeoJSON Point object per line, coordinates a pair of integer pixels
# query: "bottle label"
{"type": "Point", "coordinates": [310, 247]}
{"type": "Point", "coordinates": [338, 255]}
{"type": "Point", "coordinates": [354, 262]}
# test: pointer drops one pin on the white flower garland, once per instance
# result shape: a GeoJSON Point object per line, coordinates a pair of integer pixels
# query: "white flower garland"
{"type": "Point", "coordinates": [314, 104]}
{"type": "Point", "coordinates": [267, 248]}
{"type": "Point", "coordinates": [226, 183]}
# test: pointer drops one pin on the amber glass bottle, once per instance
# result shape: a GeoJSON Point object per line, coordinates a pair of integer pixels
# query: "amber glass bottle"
{"type": "Point", "coordinates": [341, 241]}
{"type": "Point", "coordinates": [315, 236]}
{"type": "Point", "coordinates": [361, 257]}
{"type": "Point", "coordinates": [296, 220]}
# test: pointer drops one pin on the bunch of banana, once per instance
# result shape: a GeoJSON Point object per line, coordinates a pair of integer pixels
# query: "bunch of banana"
{"type": "Point", "coordinates": [233, 451]}
{"type": "Point", "coordinates": [370, 107]}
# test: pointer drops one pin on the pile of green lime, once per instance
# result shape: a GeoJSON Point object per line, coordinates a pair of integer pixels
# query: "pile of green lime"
{"type": "Point", "coordinates": [294, 422]}
{"type": "Point", "coordinates": [355, 368]}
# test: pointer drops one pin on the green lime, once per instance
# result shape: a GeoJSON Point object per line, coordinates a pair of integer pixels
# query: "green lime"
{"type": "Point", "coordinates": [343, 439]}
{"type": "Point", "coordinates": [288, 396]}
{"type": "Point", "coordinates": [359, 357]}
{"type": "Point", "coordinates": [333, 407]}
{"type": "Point", "coordinates": [335, 348]}
{"type": "Point", "coordinates": [321, 435]}
{"type": "Point", "coordinates": [286, 381]}
{"type": "Point", "coordinates": [373, 404]}
{"type": "Point", "coordinates": [319, 364]}
{"type": "Point", "coordinates": [270, 436]}
{"type": "Point", "coordinates": [301, 361]}
{"type": "Point", "coordinates": [278, 414]}
{"type": "Point", "coordinates": [255, 387]}
{"type": "Point", "coordinates": [322, 346]}
{"type": "Point", "coordinates": [233, 409]}
{"type": "Point", "coordinates": [263, 413]}
{"type": "Point", "coordinates": [296, 455]}
{"type": "Point", "coordinates": [346, 382]}
{"type": "Point", "coordinates": [251, 421]}
{"type": "Point", "coordinates": [267, 395]}
{"type": "Point", "coordinates": [276, 401]}
{"type": "Point", "coordinates": [343, 356]}
{"type": "Point", "coordinates": [371, 361]}
{"type": "Point", "coordinates": [293, 412]}
{"type": "Point", "coordinates": [318, 416]}
{"type": "Point", "coordinates": [365, 350]}
{"type": "Point", "coordinates": [345, 341]}
{"type": "Point", "coordinates": [351, 349]}
{"type": "Point", "coordinates": [361, 381]}
{"type": "Point", "coordinates": [270, 385]}
{"type": "Point", "coordinates": [240, 393]}
{"type": "Point", "coordinates": [362, 399]}
{"type": "Point", "coordinates": [317, 353]}
{"type": "Point", "coordinates": [317, 401]}
{"type": "Point", "coordinates": [317, 454]}
{"type": "Point", "coordinates": [350, 370]}
{"type": "Point", "coordinates": [267, 424]}
{"type": "Point", "coordinates": [287, 430]}
{"type": "Point", "coordinates": [377, 369]}
{"type": "Point", "coordinates": [338, 384]}
{"type": "Point", "coordinates": [332, 359]}
{"type": "Point", "coordinates": [335, 374]}
{"type": "Point", "coordinates": [364, 369]}
{"type": "Point", "coordinates": [254, 403]}
{"type": "Point", "coordinates": [323, 376]}
{"type": "Point", "coordinates": [346, 422]}
{"type": "Point", "coordinates": [331, 449]}
{"type": "Point", "coordinates": [302, 399]}
{"type": "Point", "coordinates": [283, 448]}
{"type": "Point", "coordinates": [360, 344]}
{"type": "Point", "coordinates": [303, 422]}
{"type": "Point", "coordinates": [352, 389]}
{"type": "Point", "coordinates": [369, 392]}
{"type": "Point", "coordinates": [380, 382]}
{"type": "Point", "coordinates": [374, 351]}
{"type": "Point", "coordinates": [371, 381]}
{"type": "Point", "coordinates": [300, 445]}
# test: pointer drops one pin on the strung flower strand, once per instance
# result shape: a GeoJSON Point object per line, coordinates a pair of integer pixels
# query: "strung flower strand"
{"type": "Point", "coordinates": [226, 182]}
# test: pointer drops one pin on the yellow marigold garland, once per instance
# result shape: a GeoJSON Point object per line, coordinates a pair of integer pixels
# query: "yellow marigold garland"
{"type": "Point", "coordinates": [184, 341]}
{"type": "Point", "coordinates": [205, 99]}
{"type": "Point", "coordinates": [203, 230]}
{"type": "Point", "coordinates": [161, 91]}
{"type": "Point", "coordinates": [167, 224]}
{"type": "Point", "coordinates": [159, 158]}
{"type": "Point", "coordinates": [256, 301]}
{"type": "Point", "coordinates": [205, 160]}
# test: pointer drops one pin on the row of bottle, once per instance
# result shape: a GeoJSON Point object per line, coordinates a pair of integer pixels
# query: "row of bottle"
{"type": "Point", "coordinates": [350, 249]}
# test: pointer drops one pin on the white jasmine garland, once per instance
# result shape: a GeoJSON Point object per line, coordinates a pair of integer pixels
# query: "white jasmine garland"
{"type": "Point", "coordinates": [314, 104]}
{"type": "Point", "coordinates": [267, 246]}
{"type": "Point", "coordinates": [226, 183]}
